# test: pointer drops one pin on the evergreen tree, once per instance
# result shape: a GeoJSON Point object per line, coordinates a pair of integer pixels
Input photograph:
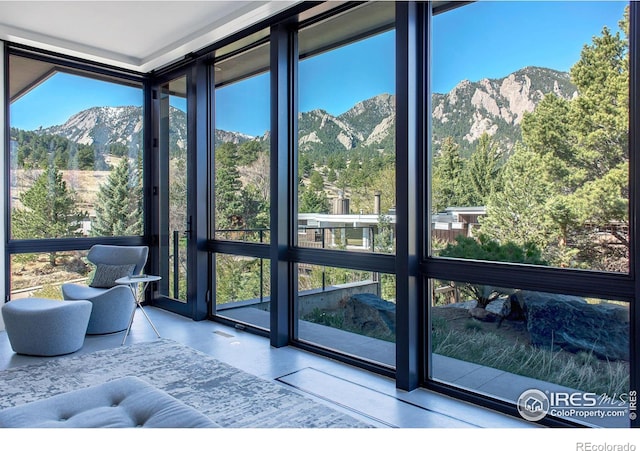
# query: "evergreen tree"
{"type": "Point", "coordinates": [117, 206]}
{"type": "Point", "coordinates": [599, 117]}
{"type": "Point", "coordinates": [305, 165]}
{"type": "Point", "coordinates": [583, 144]}
{"type": "Point", "coordinates": [316, 182]}
{"type": "Point", "coordinates": [86, 157]}
{"type": "Point", "coordinates": [547, 132]}
{"type": "Point", "coordinates": [482, 171]}
{"type": "Point", "coordinates": [603, 205]}
{"type": "Point", "coordinates": [228, 188]}
{"type": "Point", "coordinates": [447, 177]}
{"type": "Point", "coordinates": [518, 212]}
{"type": "Point", "coordinates": [48, 211]}
{"type": "Point", "coordinates": [485, 248]}
{"type": "Point", "coordinates": [384, 238]}
{"type": "Point", "coordinates": [248, 152]}
{"type": "Point", "coordinates": [255, 208]}
{"type": "Point", "coordinates": [178, 191]}
{"type": "Point", "coordinates": [311, 201]}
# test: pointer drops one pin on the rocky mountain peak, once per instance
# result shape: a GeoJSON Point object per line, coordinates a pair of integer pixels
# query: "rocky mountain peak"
{"type": "Point", "coordinates": [101, 125]}
{"type": "Point", "coordinates": [495, 106]}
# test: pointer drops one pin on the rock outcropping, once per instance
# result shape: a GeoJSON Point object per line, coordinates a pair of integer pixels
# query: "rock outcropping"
{"type": "Point", "coordinates": [495, 106]}
{"type": "Point", "coordinates": [570, 323]}
{"type": "Point", "coordinates": [369, 315]}
{"type": "Point", "coordinates": [556, 321]}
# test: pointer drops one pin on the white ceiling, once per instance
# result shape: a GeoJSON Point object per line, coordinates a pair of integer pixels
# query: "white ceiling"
{"type": "Point", "coordinates": [136, 35]}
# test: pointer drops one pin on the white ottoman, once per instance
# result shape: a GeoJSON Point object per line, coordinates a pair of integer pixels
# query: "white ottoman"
{"type": "Point", "coordinates": [46, 327]}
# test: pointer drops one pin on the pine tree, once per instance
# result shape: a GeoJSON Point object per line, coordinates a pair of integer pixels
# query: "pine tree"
{"type": "Point", "coordinates": [547, 133]}
{"type": "Point", "coordinates": [49, 211]}
{"type": "Point", "coordinates": [316, 182]}
{"type": "Point", "coordinates": [517, 213]}
{"type": "Point", "coordinates": [482, 171]}
{"type": "Point", "coordinates": [228, 188]}
{"type": "Point", "coordinates": [599, 117]}
{"type": "Point", "coordinates": [311, 201]}
{"type": "Point", "coordinates": [118, 210]}
{"type": "Point", "coordinates": [248, 152]}
{"type": "Point", "coordinates": [447, 177]}
{"type": "Point", "coordinates": [583, 144]}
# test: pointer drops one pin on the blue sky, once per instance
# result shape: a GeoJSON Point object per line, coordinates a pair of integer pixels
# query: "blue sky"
{"type": "Point", "coordinates": [64, 95]}
{"type": "Point", "coordinates": [481, 40]}
{"type": "Point", "coordinates": [324, 84]}
{"type": "Point", "coordinates": [494, 39]}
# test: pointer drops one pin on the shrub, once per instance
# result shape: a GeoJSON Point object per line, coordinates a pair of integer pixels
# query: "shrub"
{"type": "Point", "coordinates": [485, 248]}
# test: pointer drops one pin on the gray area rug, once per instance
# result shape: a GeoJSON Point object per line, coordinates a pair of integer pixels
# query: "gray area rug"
{"type": "Point", "coordinates": [230, 397]}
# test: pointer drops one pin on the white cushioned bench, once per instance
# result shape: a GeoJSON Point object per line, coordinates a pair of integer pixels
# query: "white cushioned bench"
{"type": "Point", "coordinates": [121, 403]}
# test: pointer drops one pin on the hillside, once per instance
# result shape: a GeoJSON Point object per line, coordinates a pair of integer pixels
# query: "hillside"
{"type": "Point", "coordinates": [104, 126]}
{"type": "Point", "coordinates": [366, 123]}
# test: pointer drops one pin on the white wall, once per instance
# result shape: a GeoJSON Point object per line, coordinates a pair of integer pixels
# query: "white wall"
{"type": "Point", "coordinates": [2, 185]}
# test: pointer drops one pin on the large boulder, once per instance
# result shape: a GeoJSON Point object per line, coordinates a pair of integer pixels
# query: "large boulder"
{"type": "Point", "coordinates": [369, 314]}
{"type": "Point", "coordinates": [572, 324]}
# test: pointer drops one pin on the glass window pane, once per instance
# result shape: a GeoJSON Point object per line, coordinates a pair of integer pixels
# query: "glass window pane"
{"type": "Point", "coordinates": [75, 154]}
{"type": "Point", "coordinates": [41, 275]}
{"type": "Point", "coordinates": [348, 310]}
{"type": "Point", "coordinates": [346, 134]}
{"type": "Point", "coordinates": [503, 342]}
{"type": "Point", "coordinates": [242, 144]}
{"type": "Point", "coordinates": [174, 142]}
{"type": "Point", "coordinates": [243, 289]}
{"type": "Point", "coordinates": [530, 135]}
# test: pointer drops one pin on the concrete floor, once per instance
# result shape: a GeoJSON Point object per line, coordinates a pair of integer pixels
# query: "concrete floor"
{"type": "Point", "coordinates": [364, 395]}
{"type": "Point", "coordinates": [478, 378]}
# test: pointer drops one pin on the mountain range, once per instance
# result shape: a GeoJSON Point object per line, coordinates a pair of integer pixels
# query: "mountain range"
{"type": "Point", "coordinates": [494, 106]}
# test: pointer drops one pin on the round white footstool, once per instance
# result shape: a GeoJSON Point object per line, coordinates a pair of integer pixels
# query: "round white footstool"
{"type": "Point", "coordinates": [46, 327]}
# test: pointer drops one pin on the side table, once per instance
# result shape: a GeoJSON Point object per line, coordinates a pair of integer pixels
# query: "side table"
{"type": "Point", "coordinates": [138, 296]}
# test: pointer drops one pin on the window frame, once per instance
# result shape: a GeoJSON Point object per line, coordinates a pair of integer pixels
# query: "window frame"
{"type": "Point", "coordinates": [578, 282]}
{"type": "Point", "coordinates": [87, 69]}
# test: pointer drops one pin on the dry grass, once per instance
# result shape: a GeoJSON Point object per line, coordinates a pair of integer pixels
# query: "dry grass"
{"type": "Point", "coordinates": [34, 271]}
{"type": "Point", "coordinates": [582, 371]}
{"type": "Point", "coordinates": [86, 185]}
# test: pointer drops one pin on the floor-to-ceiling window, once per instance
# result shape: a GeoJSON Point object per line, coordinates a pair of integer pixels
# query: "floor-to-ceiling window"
{"type": "Point", "coordinates": [528, 260]}
{"type": "Point", "coordinates": [530, 169]}
{"type": "Point", "coordinates": [345, 183]}
{"type": "Point", "coordinates": [241, 182]}
{"type": "Point", "coordinates": [75, 169]}
{"type": "Point", "coordinates": [173, 174]}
